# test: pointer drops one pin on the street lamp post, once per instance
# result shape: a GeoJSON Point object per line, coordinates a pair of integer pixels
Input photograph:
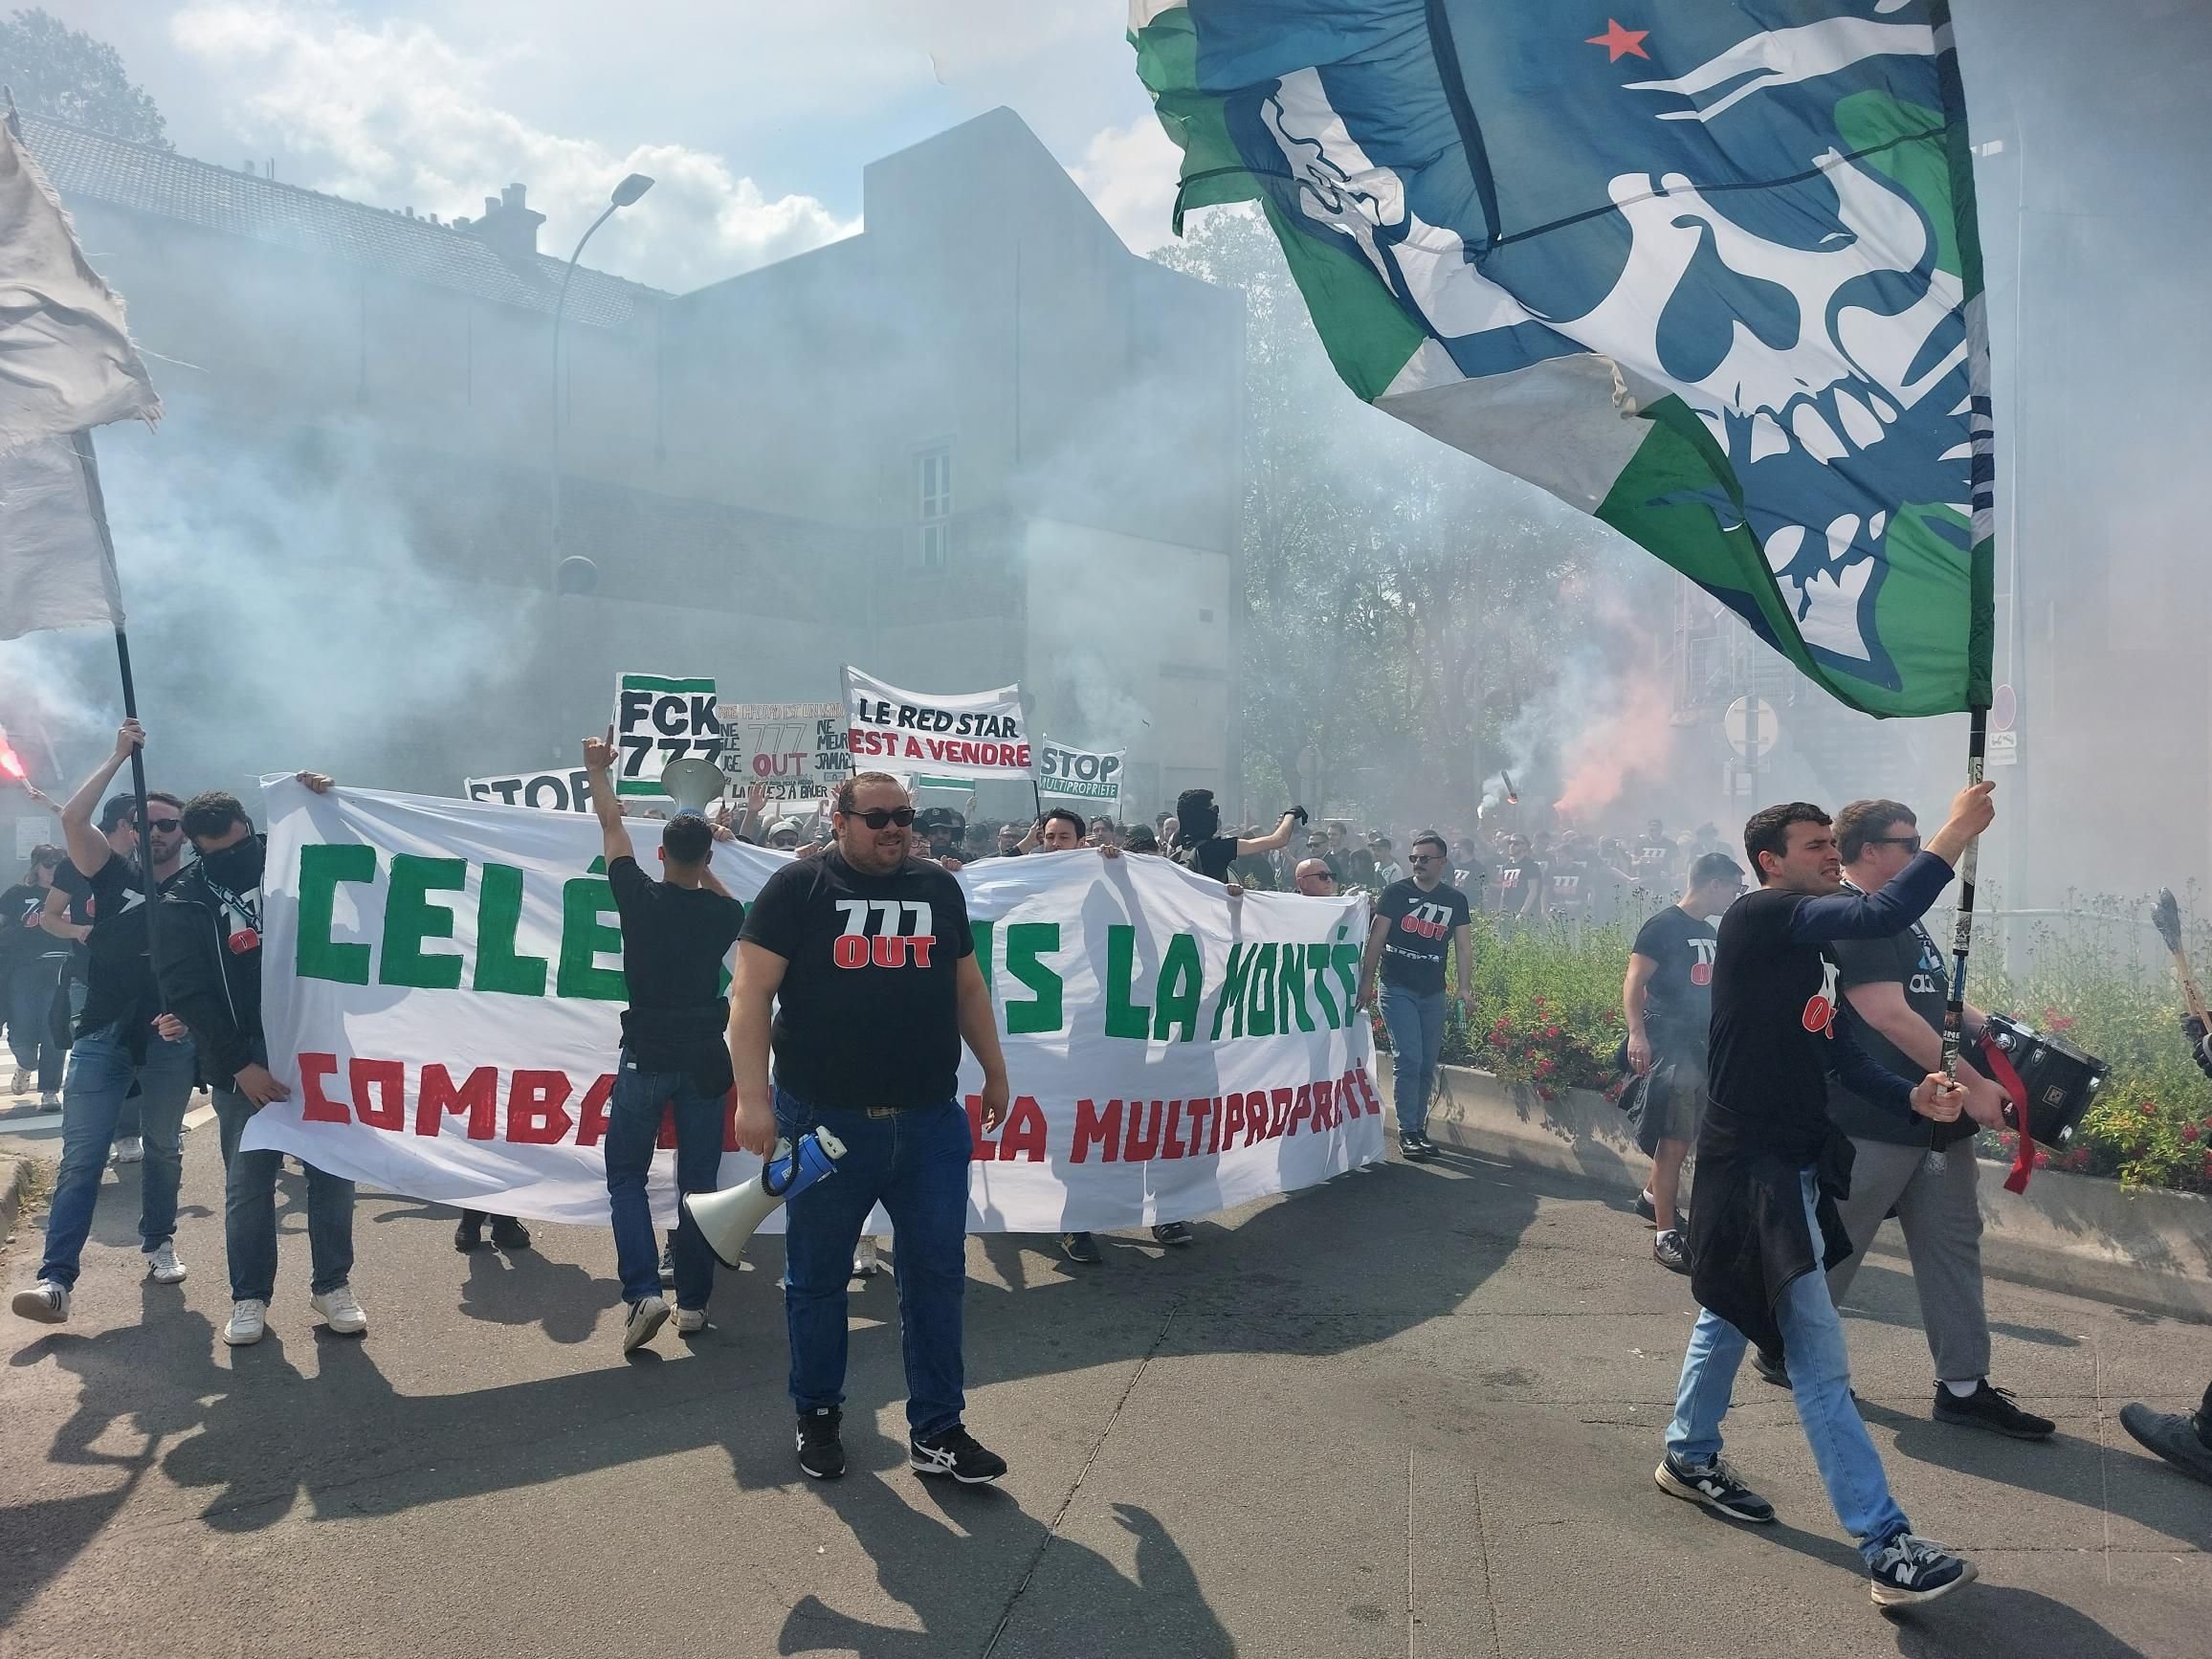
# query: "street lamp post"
{"type": "Point", "coordinates": [623, 195]}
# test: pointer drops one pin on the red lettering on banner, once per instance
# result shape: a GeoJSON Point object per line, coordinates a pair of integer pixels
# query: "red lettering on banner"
{"type": "Point", "coordinates": [849, 950]}
{"type": "Point", "coordinates": [1367, 1095]}
{"type": "Point", "coordinates": [1172, 1145]}
{"type": "Point", "coordinates": [914, 750]}
{"type": "Point", "coordinates": [315, 1106]}
{"type": "Point", "coordinates": [1301, 1106]}
{"type": "Point", "coordinates": [1096, 1128]}
{"type": "Point", "coordinates": [981, 1149]}
{"type": "Point", "coordinates": [1200, 1112]}
{"type": "Point", "coordinates": [385, 1078]}
{"type": "Point", "coordinates": [1140, 1149]}
{"type": "Point", "coordinates": [1232, 1117]}
{"type": "Point", "coordinates": [591, 1114]}
{"type": "Point", "coordinates": [1282, 1101]}
{"type": "Point", "coordinates": [1023, 1136]}
{"type": "Point", "coordinates": [478, 1098]}
{"type": "Point", "coordinates": [535, 1113]}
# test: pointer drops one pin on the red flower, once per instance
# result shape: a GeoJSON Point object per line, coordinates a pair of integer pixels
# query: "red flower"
{"type": "Point", "coordinates": [1544, 1067]}
{"type": "Point", "coordinates": [2189, 1131]}
{"type": "Point", "coordinates": [2150, 1110]}
{"type": "Point", "coordinates": [2054, 1021]}
{"type": "Point", "coordinates": [2042, 1159]}
{"type": "Point", "coordinates": [2078, 1158]}
{"type": "Point", "coordinates": [1545, 1094]}
{"type": "Point", "coordinates": [1551, 1031]}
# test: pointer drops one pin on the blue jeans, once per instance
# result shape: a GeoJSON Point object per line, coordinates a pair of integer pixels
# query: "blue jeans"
{"type": "Point", "coordinates": [250, 1213]}
{"type": "Point", "coordinates": [915, 1164]}
{"type": "Point", "coordinates": [632, 1126]}
{"type": "Point", "coordinates": [1415, 1021]}
{"type": "Point", "coordinates": [1820, 1377]}
{"type": "Point", "coordinates": [30, 993]}
{"type": "Point", "coordinates": [101, 1073]}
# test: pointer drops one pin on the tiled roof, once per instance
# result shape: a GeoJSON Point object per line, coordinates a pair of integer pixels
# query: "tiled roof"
{"type": "Point", "coordinates": [92, 166]}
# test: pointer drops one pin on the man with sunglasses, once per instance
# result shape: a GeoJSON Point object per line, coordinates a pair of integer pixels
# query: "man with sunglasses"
{"type": "Point", "coordinates": [1417, 922]}
{"type": "Point", "coordinates": [116, 1046]}
{"type": "Point", "coordinates": [1921, 1171]}
{"type": "Point", "coordinates": [866, 956]}
{"type": "Point", "coordinates": [1314, 878]}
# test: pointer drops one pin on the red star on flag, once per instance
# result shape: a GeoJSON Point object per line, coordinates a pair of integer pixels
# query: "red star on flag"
{"type": "Point", "coordinates": [1620, 42]}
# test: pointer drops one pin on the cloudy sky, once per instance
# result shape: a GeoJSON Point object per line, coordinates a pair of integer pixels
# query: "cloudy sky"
{"type": "Point", "coordinates": [754, 118]}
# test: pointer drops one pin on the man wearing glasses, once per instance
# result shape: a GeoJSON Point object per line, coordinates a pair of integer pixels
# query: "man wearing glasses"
{"type": "Point", "coordinates": [1315, 878]}
{"type": "Point", "coordinates": [1417, 921]}
{"type": "Point", "coordinates": [1921, 1171]}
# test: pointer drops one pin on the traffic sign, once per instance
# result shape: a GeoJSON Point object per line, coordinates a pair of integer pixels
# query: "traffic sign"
{"type": "Point", "coordinates": [1737, 722]}
{"type": "Point", "coordinates": [2003, 749]}
{"type": "Point", "coordinates": [2003, 709]}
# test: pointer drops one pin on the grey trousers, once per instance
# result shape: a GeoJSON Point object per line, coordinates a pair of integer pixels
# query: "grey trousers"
{"type": "Point", "coordinates": [1942, 1222]}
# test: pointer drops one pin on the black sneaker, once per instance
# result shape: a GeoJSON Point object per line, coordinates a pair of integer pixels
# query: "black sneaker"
{"type": "Point", "coordinates": [821, 1449]}
{"type": "Point", "coordinates": [1712, 1484]}
{"type": "Point", "coordinates": [956, 1453]}
{"type": "Point", "coordinates": [668, 1266]}
{"type": "Point", "coordinates": [1993, 1409]}
{"type": "Point", "coordinates": [1077, 1246]}
{"type": "Point", "coordinates": [1646, 1209]}
{"type": "Point", "coordinates": [1671, 1251]}
{"type": "Point", "coordinates": [2173, 1436]}
{"type": "Point", "coordinates": [510, 1234]}
{"type": "Point", "coordinates": [1770, 1367]}
{"type": "Point", "coordinates": [1912, 1569]}
{"type": "Point", "coordinates": [469, 1235]}
{"type": "Point", "coordinates": [1172, 1232]}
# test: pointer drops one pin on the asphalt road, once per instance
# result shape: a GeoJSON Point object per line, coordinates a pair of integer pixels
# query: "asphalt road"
{"type": "Point", "coordinates": [1413, 1413]}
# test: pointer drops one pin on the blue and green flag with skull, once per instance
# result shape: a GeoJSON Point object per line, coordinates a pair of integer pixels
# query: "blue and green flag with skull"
{"type": "Point", "coordinates": [1709, 272]}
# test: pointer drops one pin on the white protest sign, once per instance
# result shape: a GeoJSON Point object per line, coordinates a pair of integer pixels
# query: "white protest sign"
{"type": "Point", "coordinates": [443, 987]}
{"type": "Point", "coordinates": [949, 735]}
{"type": "Point", "coordinates": [569, 791]}
{"type": "Point", "coordinates": [796, 749]}
{"type": "Point", "coordinates": [1071, 774]}
{"type": "Point", "coordinates": [659, 720]}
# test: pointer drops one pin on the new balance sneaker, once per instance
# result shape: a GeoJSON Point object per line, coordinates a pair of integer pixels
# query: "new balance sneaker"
{"type": "Point", "coordinates": [1909, 1569]}
{"type": "Point", "coordinates": [668, 1266]}
{"type": "Point", "coordinates": [1671, 1251]}
{"type": "Point", "coordinates": [1412, 1147]}
{"type": "Point", "coordinates": [1715, 1486]}
{"type": "Point", "coordinates": [2170, 1434]}
{"type": "Point", "coordinates": [647, 1314]}
{"type": "Point", "coordinates": [1771, 1367]}
{"type": "Point", "coordinates": [510, 1234]}
{"type": "Point", "coordinates": [1993, 1409]}
{"type": "Point", "coordinates": [130, 1149]}
{"type": "Point", "coordinates": [341, 1311]}
{"type": "Point", "coordinates": [821, 1449]}
{"type": "Point", "coordinates": [249, 1320]}
{"type": "Point", "coordinates": [46, 1302]}
{"type": "Point", "coordinates": [1080, 1248]}
{"type": "Point", "coordinates": [865, 1266]}
{"type": "Point", "coordinates": [1172, 1232]}
{"type": "Point", "coordinates": [163, 1266]}
{"type": "Point", "coordinates": [690, 1321]}
{"type": "Point", "coordinates": [956, 1453]}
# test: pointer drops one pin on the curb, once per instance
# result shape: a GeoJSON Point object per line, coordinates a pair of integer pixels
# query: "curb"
{"type": "Point", "coordinates": [2073, 1233]}
{"type": "Point", "coordinates": [14, 1178]}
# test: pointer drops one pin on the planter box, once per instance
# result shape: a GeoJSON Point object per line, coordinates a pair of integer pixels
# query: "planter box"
{"type": "Point", "coordinates": [2074, 1233]}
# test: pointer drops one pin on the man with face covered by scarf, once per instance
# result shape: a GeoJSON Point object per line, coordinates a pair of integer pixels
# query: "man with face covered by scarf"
{"type": "Point", "coordinates": [210, 977]}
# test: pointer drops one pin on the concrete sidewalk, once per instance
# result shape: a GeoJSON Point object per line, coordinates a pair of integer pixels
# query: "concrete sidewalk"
{"type": "Point", "coordinates": [1412, 1413]}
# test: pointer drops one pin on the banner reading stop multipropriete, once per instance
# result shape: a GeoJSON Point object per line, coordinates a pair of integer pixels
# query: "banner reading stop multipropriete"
{"type": "Point", "coordinates": [443, 985]}
{"type": "Point", "coordinates": [1070, 774]}
{"type": "Point", "coordinates": [945, 733]}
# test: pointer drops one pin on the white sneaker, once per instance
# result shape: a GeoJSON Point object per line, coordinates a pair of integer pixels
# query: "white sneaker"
{"type": "Point", "coordinates": [249, 1320]}
{"type": "Point", "coordinates": [646, 1317]}
{"type": "Point", "coordinates": [22, 1083]}
{"type": "Point", "coordinates": [163, 1266]}
{"type": "Point", "coordinates": [341, 1311]}
{"type": "Point", "coordinates": [51, 1100]}
{"type": "Point", "coordinates": [690, 1321]}
{"type": "Point", "coordinates": [130, 1149]}
{"type": "Point", "coordinates": [46, 1301]}
{"type": "Point", "coordinates": [865, 1266]}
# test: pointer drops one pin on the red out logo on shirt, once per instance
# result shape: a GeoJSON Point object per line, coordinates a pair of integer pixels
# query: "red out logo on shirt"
{"type": "Point", "coordinates": [1821, 1013]}
{"type": "Point", "coordinates": [1702, 970]}
{"type": "Point", "coordinates": [902, 936]}
{"type": "Point", "coordinates": [1428, 920]}
{"type": "Point", "coordinates": [1701, 974]}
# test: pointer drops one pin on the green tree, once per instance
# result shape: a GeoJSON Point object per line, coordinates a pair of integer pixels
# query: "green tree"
{"type": "Point", "coordinates": [54, 70]}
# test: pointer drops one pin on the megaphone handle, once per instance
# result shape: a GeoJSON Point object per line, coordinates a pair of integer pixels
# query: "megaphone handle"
{"type": "Point", "coordinates": [785, 1153]}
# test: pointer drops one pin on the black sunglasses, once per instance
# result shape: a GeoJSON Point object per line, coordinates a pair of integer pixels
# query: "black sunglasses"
{"type": "Point", "coordinates": [165, 823]}
{"type": "Point", "coordinates": [1425, 858]}
{"type": "Point", "coordinates": [882, 817]}
{"type": "Point", "coordinates": [1910, 843]}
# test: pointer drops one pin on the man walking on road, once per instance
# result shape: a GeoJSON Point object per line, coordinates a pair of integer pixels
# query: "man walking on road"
{"type": "Point", "coordinates": [1417, 922]}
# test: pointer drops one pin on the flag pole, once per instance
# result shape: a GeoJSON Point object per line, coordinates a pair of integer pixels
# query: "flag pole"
{"type": "Point", "coordinates": [97, 503]}
{"type": "Point", "coordinates": [1963, 934]}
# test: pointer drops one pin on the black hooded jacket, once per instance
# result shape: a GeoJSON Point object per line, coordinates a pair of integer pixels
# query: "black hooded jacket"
{"type": "Point", "coordinates": [210, 958]}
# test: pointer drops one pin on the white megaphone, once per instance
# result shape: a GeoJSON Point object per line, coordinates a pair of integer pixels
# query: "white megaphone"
{"type": "Point", "coordinates": [727, 1219]}
{"type": "Point", "coordinates": [693, 785]}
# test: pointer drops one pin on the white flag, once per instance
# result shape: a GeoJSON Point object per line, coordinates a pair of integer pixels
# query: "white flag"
{"type": "Point", "coordinates": [56, 568]}
{"type": "Point", "coordinates": [66, 360]}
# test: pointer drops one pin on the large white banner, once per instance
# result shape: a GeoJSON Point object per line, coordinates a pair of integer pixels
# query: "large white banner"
{"type": "Point", "coordinates": [567, 792]}
{"type": "Point", "coordinates": [443, 987]}
{"type": "Point", "coordinates": [947, 735]}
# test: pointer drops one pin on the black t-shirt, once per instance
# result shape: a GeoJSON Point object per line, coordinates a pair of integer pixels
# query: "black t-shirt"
{"type": "Point", "coordinates": [1910, 960]}
{"type": "Point", "coordinates": [1773, 1003]}
{"type": "Point", "coordinates": [1678, 999]}
{"type": "Point", "coordinates": [1516, 879]}
{"type": "Point", "coordinates": [1421, 929]}
{"type": "Point", "coordinates": [21, 938]}
{"type": "Point", "coordinates": [869, 1012]}
{"type": "Point", "coordinates": [1567, 887]}
{"type": "Point", "coordinates": [1211, 857]}
{"type": "Point", "coordinates": [674, 939]}
{"type": "Point", "coordinates": [119, 979]}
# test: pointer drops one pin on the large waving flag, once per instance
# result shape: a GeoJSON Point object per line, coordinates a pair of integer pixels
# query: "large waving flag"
{"type": "Point", "coordinates": [1708, 271]}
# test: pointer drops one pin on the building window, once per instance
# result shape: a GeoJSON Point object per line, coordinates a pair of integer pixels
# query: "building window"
{"type": "Point", "coordinates": [933, 505]}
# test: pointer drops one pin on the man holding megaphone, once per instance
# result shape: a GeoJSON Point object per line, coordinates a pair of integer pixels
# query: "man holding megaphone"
{"type": "Point", "coordinates": [866, 956]}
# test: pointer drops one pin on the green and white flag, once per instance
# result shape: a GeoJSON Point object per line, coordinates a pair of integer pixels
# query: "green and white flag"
{"type": "Point", "coordinates": [1714, 278]}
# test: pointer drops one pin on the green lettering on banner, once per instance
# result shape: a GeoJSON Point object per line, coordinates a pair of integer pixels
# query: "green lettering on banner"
{"type": "Point", "coordinates": [498, 920]}
{"type": "Point", "coordinates": [1025, 941]}
{"type": "Point", "coordinates": [317, 956]}
{"type": "Point", "coordinates": [1181, 985]}
{"type": "Point", "coordinates": [409, 917]}
{"type": "Point", "coordinates": [583, 936]}
{"type": "Point", "coordinates": [1232, 992]}
{"type": "Point", "coordinates": [1294, 983]}
{"type": "Point", "coordinates": [1317, 964]}
{"type": "Point", "coordinates": [1260, 1015]}
{"type": "Point", "coordinates": [1124, 1018]}
{"type": "Point", "coordinates": [982, 934]}
{"type": "Point", "coordinates": [1345, 958]}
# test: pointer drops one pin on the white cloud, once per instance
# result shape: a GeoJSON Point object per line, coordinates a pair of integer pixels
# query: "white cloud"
{"type": "Point", "coordinates": [1130, 175]}
{"type": "Point", "coordinates": [396, 115]}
